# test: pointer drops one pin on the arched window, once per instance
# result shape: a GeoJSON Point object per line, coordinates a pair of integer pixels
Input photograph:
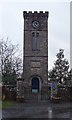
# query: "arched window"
{"type": "Point", "coordinates": [38, 41]}
{"type": "Point", "coordinates": [35, 41]}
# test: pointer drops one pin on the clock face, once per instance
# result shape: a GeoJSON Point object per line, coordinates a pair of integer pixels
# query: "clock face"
{"type": "Point", "coordinates": [35, 24]}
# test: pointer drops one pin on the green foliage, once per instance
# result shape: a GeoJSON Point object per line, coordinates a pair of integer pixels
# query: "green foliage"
{"type": "Point", "coordinates": [60, 69]}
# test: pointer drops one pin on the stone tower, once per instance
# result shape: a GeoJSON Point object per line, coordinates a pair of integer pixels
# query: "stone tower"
{"type": "Point", "coordinates": [35, 59]}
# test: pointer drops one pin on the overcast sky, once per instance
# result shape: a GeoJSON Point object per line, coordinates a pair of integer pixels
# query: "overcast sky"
{"type": "Point", "coordinates": [11, 22]}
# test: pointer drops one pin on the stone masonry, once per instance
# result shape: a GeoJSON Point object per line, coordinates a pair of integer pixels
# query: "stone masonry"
{"type": "Point", "coordinates": [35, 62]}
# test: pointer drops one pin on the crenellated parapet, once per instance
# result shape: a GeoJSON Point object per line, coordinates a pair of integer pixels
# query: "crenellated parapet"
{"type": "Point", "coordinates": [35, 14]}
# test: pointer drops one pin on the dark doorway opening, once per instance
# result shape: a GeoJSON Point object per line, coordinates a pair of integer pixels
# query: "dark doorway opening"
{"type": "Point", "coordinates": [35, 85]}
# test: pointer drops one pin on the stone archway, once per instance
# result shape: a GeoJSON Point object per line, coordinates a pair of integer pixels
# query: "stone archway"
{"type": "Point", "coordinates": [35, 89]}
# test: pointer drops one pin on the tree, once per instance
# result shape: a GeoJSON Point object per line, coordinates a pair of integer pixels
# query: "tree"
{"type": "Point", "coordinates": [11, 62]}
{"type": "Point", "coordinates": [69, 82]}
{"type": "Point", "coordinates": [60, 69]}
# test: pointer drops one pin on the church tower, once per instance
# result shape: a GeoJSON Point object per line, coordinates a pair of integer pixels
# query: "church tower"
{"type": "Point", "coordinates": [35, 55]}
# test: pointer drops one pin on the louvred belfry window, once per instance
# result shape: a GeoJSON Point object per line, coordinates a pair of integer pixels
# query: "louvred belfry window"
{"type": "Point", "coordinates": [35, 41]}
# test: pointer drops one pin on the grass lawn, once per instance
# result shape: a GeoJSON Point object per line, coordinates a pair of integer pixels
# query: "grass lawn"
{"type": "Point", "coordinates": [7, 104]}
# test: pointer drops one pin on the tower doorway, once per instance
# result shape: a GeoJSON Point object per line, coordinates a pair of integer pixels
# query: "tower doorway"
{"type": "Point", "coordinates": [35, 85]}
